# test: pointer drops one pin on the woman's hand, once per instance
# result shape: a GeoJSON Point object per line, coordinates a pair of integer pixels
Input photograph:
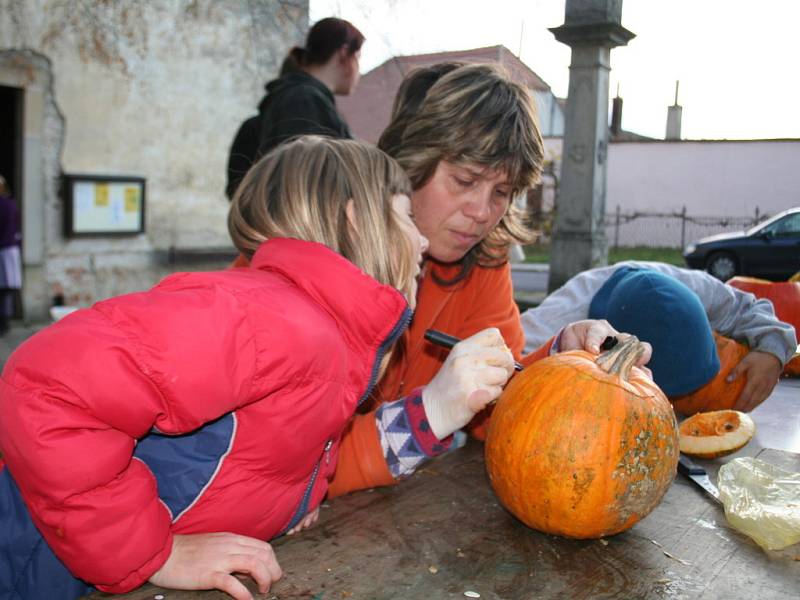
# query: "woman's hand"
{"type": "Point", "coordinates": [589, 335]}
{"type": "Point", "coordinates": [473, 375]}
{"type": "Point", "coordinates": [205, 561]}
{"type": "Point", "coordinates": [306, 522]}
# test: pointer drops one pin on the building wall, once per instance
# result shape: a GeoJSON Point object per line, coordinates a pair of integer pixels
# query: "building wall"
{"type": "Point", "coordinates": [153, 89]}
{"type": "Point", "coordinates": [723, 185]}
{"type": "Point", "coordinates": [708, 177]}
{"type": "Point", "coordinates": [551, 117]}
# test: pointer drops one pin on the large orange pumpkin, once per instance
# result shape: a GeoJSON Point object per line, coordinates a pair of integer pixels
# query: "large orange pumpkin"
{"type": "Point", "coordinates": [717, 394]}
{"type": "Point", "coordinates": [785, 296]}
{"type": "Point", "coordinates": [582, 446]}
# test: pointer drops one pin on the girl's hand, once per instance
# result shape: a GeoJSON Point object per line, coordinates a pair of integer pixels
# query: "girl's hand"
{"type": "Point", "coordinates": [206, 561]}
{"type": "Point", "coordinates": [306, 522]}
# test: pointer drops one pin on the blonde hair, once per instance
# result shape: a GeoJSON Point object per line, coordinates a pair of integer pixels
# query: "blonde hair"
{"type": "Point", "coordinates": [473, 114]}
{"type": "Point", "coordinates": [301, 189]}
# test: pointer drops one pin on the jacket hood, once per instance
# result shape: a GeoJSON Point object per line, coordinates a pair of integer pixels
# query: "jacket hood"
{"type": "Point", "coordinates": [278, 86]}
{"type": "Point", "coordinates": [373, 310]}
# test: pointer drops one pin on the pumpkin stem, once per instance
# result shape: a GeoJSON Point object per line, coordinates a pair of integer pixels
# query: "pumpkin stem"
{"type": "Point", "coordinates": [621, 358]}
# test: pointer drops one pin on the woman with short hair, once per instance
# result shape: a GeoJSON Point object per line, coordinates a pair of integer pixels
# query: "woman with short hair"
{"type": "Point", "coordinates": [469, 140]}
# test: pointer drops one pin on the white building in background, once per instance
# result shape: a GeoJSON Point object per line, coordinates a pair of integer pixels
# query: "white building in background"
{"type": "Point", "coordinates": [154, 90]}
{"type": "Point", "coordinates": [724, 183]}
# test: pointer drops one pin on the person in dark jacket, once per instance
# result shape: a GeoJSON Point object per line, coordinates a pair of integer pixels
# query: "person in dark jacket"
{"type": "Point", "coordinates": [301, 101]}
{"type": "Point", "coordinates": [10, 262]}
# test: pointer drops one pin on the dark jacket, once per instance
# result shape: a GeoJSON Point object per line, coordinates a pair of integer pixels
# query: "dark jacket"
{"type": "Point", "coordinates": [295, 104]}
{"type": "Point", "coordinates": [9, 222]}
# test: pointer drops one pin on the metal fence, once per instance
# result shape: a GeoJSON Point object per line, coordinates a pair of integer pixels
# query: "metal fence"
{"type": "Point", "coordinates": [670, 230]}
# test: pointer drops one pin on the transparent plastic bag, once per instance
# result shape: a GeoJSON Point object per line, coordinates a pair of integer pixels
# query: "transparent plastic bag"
{"type": "Point", "coordinates": [762, 501]}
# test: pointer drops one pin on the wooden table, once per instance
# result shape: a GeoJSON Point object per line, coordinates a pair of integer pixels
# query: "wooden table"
{"type": "Point", "coordinates": [442, 533]}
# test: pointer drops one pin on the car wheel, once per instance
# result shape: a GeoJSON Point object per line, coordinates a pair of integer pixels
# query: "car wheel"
{"type": "Point", "coordinates": [722, 265]}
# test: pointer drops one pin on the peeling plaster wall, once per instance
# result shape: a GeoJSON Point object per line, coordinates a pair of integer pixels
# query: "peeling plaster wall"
{"type": "Point", "coordinates": [154, 89]}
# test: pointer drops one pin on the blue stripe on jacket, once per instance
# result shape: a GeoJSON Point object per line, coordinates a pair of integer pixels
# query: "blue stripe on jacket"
{"type": "Point", "coordinates": [184, 465]}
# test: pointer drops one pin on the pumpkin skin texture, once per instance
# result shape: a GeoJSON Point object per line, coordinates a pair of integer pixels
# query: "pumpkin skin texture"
{"type": "Point", "coordinates": [717, 394]}
{"type": "Point", "coordinates": [784, 295]}
{"type": "Point", "coordinates": [577, 451]}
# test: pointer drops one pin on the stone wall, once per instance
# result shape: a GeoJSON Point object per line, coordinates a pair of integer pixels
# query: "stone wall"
{"type": "Point", "coordinates": [153, 89]}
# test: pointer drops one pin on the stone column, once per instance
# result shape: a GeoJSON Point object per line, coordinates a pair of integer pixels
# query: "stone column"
{"type": "Point", "coordinates": [591, 28]}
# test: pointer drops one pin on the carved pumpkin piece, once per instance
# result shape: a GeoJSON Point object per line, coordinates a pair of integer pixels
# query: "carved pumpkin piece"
{"type": "Point", "coordinates": [717, 433]}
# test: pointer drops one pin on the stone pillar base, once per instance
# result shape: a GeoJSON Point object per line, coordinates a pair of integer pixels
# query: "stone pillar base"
{"type": "Point", "coordinates": [574, 251]}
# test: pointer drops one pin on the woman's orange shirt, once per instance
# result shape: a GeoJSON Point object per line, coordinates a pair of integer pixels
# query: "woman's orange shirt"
{"type": "Point", "coordinates": [484, 299]}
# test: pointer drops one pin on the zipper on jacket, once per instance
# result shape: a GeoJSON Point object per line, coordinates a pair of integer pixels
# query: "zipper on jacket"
{"type": "Point", "coordinates": [395, 333]}
{"type": "Point", "coordinates": [302, 508]}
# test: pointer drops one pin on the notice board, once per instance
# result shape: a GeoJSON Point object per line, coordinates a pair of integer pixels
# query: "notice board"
{"type": "Point", "coordinates": [100, 205]}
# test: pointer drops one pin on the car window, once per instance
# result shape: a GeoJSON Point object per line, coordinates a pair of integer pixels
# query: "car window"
{"type": "Point", "coordinates": [789, 226]}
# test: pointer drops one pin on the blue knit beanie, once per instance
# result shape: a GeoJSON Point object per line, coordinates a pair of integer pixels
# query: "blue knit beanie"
{"type": "Point", "coordinates": [661, 310]}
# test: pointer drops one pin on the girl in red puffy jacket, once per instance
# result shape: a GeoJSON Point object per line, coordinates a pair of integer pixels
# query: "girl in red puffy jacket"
{"type": "Point", "coordinates": [135, 431]}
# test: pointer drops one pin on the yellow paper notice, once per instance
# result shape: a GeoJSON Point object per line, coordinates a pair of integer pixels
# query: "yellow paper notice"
{"type": "Point", "coordinates": [101, 194]}
{"type": "Point", "coordinates": [131, 199]}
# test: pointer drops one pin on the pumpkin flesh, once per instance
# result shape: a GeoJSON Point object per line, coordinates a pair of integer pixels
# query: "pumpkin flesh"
{"type": "Point", "coordinates": [576, 451]}
{"type": "Point", "coordinates": [715, 434]}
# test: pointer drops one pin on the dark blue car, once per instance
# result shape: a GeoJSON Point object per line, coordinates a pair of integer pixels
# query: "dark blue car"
{"type": "Point", "coordinates": [770, 250]}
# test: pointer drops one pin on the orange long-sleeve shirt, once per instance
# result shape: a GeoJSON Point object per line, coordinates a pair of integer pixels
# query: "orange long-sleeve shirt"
{"type": "Point", "coordinates": [484, 299]}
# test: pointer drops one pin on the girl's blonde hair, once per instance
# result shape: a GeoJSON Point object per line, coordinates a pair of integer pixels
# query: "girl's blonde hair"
{"type": "Point", "coordinates": [473, 114]}
{"type": "Point", "coordinates": [301, 189]}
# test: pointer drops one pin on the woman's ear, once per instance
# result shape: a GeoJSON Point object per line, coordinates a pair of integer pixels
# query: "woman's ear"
{"type": "Point", "coordinates": [343, 57]}
{"type": "Point", "coordinates": [350, 211]}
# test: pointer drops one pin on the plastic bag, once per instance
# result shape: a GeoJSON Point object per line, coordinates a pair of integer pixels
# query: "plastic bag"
{"type": "Point", "coordinates": [762, 501]}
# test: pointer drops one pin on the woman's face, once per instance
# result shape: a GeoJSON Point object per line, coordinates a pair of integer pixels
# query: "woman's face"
{"type": "Point", "coordinates": [458, 207]}
{"type": "Point", "coordinates": [401, 205]}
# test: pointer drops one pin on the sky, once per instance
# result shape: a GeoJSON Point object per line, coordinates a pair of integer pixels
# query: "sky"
{"type": "Point", "coordinates": [736, 60]}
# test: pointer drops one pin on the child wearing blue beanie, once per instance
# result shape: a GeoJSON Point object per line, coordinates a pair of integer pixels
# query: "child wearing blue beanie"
{"type": "Point", "coordinates": [661, 310]}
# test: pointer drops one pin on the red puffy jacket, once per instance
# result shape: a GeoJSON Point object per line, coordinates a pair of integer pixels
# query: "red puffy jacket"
{"type": "Point", "coordinates": [252, 373]}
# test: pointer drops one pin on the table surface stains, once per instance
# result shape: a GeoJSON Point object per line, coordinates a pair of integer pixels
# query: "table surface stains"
{"type": "Point", "coordinates": [442, 533]}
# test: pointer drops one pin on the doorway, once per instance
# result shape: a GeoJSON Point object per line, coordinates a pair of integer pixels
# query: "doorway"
{"type": "Point", "coordinates": [11, 103]}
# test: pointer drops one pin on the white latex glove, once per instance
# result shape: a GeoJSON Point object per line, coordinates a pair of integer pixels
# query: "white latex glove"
{"type": "Point", "coordinates": [473, 375]}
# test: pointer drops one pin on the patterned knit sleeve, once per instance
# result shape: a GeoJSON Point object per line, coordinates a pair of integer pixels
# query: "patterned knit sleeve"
{"type": "Point", "coordinates": [406, 437]}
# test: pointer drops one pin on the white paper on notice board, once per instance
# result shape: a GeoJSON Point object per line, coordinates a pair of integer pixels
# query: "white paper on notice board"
{"type": "Point", "coordinates": [83, 194]}
{"type": "Point", "coordinates": [107, 206]}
